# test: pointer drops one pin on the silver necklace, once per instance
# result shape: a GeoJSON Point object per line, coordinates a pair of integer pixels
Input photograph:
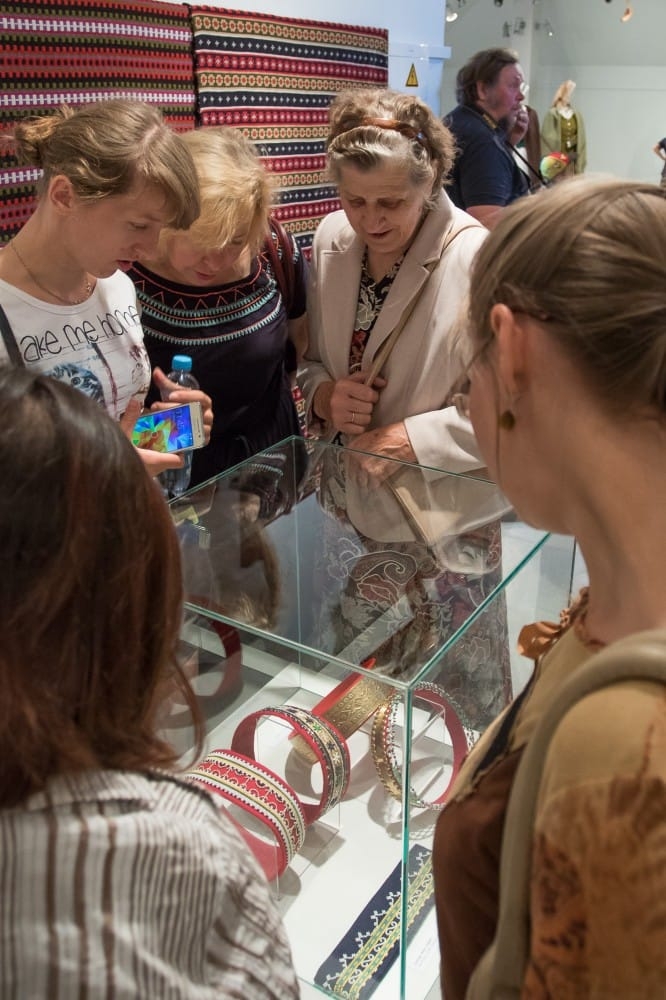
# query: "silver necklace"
{"type": "Point", "coordinates": [49, 291]}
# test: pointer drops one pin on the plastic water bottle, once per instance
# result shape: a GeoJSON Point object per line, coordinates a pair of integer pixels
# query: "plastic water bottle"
{"type": "Point", "coordinates": [176, 481]}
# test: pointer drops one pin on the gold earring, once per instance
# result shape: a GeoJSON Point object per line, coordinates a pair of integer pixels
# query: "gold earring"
{"type": "Point", "coordinates": [506, 420]}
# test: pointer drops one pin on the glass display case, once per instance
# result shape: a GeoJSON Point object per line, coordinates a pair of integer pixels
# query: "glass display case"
{"type": "Point", "coordinates": [350, 630]}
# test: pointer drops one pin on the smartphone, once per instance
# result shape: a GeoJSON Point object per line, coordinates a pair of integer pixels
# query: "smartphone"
{"type": "Point", "coordinates": [180, 428]}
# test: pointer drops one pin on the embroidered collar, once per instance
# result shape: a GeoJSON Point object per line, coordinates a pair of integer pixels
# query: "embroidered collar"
{"type": "Point", "coordinates": [367, 279]}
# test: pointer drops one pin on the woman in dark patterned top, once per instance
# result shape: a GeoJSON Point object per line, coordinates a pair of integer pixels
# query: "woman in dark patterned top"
{"type": "Point", "coordinates": [232, 300]}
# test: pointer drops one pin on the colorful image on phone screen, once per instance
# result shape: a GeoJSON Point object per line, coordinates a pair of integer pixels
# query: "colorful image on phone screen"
{"type": "Point", "coordinates": [164, 430]}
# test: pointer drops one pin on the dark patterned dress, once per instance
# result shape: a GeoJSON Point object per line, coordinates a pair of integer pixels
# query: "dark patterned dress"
{"type": "Point", "coordinates": [395, 601]}
{"type": "Point", "coordinates": [236, 335]}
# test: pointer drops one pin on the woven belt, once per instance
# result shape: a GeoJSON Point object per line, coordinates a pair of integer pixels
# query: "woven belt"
{"type": "Point", "coordinates": [231, 680]}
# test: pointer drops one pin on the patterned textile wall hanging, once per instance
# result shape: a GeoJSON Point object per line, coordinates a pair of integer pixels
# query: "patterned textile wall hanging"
{"type": "Point", "coordinates": [274, 77]}
{"type": "Point", "coordinates": [57, 51]}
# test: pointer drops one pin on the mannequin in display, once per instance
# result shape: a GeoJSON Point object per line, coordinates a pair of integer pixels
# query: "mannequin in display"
{"type": "Point", "coordinates": [563, 130]}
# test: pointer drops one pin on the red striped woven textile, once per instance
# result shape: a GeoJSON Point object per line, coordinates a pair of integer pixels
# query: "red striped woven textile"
{"type": "Point", "coordinates": [59, 51]}
{"type": "Point", "coordinates": [274, 77]}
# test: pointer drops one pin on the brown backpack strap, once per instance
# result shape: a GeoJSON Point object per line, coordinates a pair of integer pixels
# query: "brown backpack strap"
{"type": "Point", "coordinates": [386, 348]}
{"type": "Point", "coordinates": [499, 975]}
{"type": "Point", "coordinates": [280, 254]}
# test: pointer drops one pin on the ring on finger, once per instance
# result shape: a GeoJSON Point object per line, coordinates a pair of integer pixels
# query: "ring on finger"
{"type": "Point", "coordinates": [353, 417]}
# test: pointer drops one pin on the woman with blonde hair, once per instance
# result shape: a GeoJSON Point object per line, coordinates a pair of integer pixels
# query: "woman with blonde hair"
{"type": "Point", "coordinates": [230, 292]}
{"type": "Point", "coordinates": [567, 396]}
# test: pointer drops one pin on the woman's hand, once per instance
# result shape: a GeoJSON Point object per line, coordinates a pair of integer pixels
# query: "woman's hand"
{"type": "Point", "coordinates": [154, 461]}
{"type": "Point", "coordinates": [177, 394]}
{"type": "Point", "coordinates": [159, 461]}
{"type": "Point", "coordinates": [348, 403]}
{"type": "Point", "coordinates": [391, 442]}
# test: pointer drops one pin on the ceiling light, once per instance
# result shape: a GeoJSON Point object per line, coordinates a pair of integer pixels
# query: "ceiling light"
{"type": "Point", "coordinates": [628, 13]}
{"type": "Point", "coordinates": [451, 15]}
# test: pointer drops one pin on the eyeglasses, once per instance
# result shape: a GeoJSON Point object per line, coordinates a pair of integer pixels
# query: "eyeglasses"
{"type": "Point", "coordinates": [459, 395]}
{"type": "Point", "coordinates": [460, 398]}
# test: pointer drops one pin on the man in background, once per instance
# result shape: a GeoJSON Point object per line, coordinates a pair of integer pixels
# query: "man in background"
{"type": "Point", "coordinates": [490, 91]}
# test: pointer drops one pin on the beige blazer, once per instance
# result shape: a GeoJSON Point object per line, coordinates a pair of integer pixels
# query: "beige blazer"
{"type": "Point", "coordinates": [428, 356]}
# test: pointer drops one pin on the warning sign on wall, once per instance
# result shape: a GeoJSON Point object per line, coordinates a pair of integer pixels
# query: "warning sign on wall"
{"type": "Point", "coordinates": [412, 79]}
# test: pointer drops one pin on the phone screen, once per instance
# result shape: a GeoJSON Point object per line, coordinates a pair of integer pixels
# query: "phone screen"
{"type": "Point", "coordinates": [165, 430]}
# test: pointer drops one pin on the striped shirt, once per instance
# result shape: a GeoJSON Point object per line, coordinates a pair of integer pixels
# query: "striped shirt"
{"type": "Point", "coordinates": [116, 884]}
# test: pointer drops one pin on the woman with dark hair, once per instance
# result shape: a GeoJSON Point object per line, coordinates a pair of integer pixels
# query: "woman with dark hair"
{"type": "Point", "coordinates": [114, 871]}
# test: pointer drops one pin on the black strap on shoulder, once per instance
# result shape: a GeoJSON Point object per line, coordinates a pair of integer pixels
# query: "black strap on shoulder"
{"type": "Point", "coordinates": [10, 340]}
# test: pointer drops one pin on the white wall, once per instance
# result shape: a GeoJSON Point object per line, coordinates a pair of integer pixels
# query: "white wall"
{"type": "Point", "coordinates": [619, 69]}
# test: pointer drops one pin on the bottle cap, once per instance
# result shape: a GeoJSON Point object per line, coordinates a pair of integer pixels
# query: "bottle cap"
{"type": "Point", "coordinates": [181, 363]}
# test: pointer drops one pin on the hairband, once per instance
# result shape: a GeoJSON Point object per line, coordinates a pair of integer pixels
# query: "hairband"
{"type": "Point", "coordinates": [348, 705]}
{"type": "Point", "coordinates": [328, 746]}
{"type": "Point", "coordinates": [261, 793]}
{"type": "Point", "coordinates": [232, 667]}
{"type": "Point", "coordinates": [383, 744]}
{"type": "Point", "coordinates": [393, 125]}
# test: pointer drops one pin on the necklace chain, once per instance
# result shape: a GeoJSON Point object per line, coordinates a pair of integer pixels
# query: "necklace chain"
{"type": "Point", "coordinates": [49, 291]}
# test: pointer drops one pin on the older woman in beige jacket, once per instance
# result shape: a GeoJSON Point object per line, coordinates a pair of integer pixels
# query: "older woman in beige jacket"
{"type": "Point", "coordinates": [399, 244]}
{"type": "Point", "coordinates": [398, 252]}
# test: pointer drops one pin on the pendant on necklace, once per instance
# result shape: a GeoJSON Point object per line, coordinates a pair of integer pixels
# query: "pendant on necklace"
{"type": "Point", "coordinates": [49, 291]}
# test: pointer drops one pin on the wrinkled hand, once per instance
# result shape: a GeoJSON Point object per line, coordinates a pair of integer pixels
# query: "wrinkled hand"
{"type": "Point", "coordinates": [390, 442]}
{"type": "Point", "coordinates": [176, 394]}
{"type": "Point", "coordinates": [351, 403]}
{"type": "Point", "coordinates": [154, 461]}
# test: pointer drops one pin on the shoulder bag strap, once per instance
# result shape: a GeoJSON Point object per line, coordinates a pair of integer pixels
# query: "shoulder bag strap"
{"type": "Point", "coordinates": [10, 340]}
{"type": "Point", "coordinates": [499, 975]}
{"type": "Point", "coordinates": [387, 346]}
{"type": "Point", "coordinates": [282, 264]}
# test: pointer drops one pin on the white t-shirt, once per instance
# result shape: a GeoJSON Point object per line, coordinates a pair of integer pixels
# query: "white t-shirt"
{"type": "Point", "coordinates": [96, 346]}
